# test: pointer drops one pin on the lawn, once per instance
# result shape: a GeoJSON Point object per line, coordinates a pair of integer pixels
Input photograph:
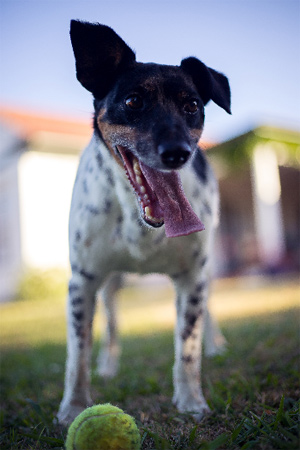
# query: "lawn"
{"type": "Point", "coordinates": [253, 389]}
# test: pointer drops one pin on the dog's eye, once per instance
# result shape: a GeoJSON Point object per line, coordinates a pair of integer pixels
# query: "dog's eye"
{"type": "Point", "coordinates": [191, 106]}
{"type": "Point", "coordinates": [134, 102]}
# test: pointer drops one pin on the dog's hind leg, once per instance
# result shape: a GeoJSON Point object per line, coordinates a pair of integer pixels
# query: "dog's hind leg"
{"type": "Point", "coordinates": [214, 341]}
{"type": "Point", "coordinates": [108, 360]}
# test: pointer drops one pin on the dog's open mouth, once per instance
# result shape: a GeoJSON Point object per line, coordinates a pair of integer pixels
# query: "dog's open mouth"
{"type": "Point", "coordinates": [151, 211]}
{"type": "Point", "coordinates": [161, 197]}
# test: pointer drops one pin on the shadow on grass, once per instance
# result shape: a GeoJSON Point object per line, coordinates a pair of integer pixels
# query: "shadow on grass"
{"type": "Point", "coordinates": [253, 390]}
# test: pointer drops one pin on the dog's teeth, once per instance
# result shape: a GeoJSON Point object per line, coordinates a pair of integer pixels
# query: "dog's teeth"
{"type": "Point", "coordinates": [149, 216]}
{"type": "Point", "coordinates": [136, 167]}
{"type": "Point", "coordinates": [148, 212]}
{"type": "Point", "coordinates": [145, 200]}
{"type": "Point", "coordinates": [139, 180]}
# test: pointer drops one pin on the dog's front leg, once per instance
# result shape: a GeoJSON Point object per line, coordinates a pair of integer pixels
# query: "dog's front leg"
{"type": "Point", "coordinates": [191, 308]}
{"type": "Point", "coordinates": [80, 311]}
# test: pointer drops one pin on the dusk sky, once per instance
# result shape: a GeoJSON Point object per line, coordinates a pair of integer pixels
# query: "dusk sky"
{"type": "Point", "coordinates": [255, 43]}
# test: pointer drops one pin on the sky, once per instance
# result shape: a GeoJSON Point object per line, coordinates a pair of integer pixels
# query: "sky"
{"type": "Point", "coordinates": [256, 43]}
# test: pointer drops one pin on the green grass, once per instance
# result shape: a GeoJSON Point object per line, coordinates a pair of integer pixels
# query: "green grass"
{"type": "Point", "coordinates": [253, 390]}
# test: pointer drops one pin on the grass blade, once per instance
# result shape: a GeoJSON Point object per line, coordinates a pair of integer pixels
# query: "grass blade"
{"type": "Point", "coordinates": [280, 413]}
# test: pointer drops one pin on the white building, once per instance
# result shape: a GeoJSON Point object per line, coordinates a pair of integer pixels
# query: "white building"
{"type": "Point", "coordinates": [259, 179]}
{"type": "Point", "coordinates": [38, 162]}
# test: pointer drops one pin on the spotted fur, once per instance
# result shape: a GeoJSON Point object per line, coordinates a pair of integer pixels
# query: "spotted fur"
{"type": "Point", "coordinates": [110, 235]}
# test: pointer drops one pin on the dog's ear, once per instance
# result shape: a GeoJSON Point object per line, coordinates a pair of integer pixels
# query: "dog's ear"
{"type": "Point", "coordinates": [210, 84]}
{"type": "Point", "coordinates": [100, 54]}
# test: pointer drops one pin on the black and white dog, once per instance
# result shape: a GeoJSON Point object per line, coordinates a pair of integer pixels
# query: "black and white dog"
{"type": "Point", "coordinates": [142, 186]}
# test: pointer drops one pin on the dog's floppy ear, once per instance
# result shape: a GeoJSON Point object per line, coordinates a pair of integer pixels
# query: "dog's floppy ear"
{"type": "Point", "coordinates": [100, 54]}
{"type": "Point", "coordinates": [210, 84]}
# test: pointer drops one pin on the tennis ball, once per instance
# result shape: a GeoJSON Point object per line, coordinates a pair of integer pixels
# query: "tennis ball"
{"type": "Point", "coordinates": [103, 427]}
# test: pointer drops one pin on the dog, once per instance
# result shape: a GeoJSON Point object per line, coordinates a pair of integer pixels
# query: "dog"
{"type": "Point", "coordinates": [145, 200]}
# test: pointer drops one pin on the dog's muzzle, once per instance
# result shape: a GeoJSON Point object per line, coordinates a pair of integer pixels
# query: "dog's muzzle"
{"type": "Point", "coordinates": [161, 195]}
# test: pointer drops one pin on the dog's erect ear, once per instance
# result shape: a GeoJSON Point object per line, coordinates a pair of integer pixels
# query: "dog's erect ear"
{"type": "Point", "coordinates": [210, 84]}
{"type": "Point", "coordinates": [100, 54]}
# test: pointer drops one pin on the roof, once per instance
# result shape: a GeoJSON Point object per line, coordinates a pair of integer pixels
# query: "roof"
{"type": "Point", "coordinates": [27, 123]}
{"type": "Point", "coordinates": [235, 152]}
{"type": "Point", "coordinates": [45, 132]}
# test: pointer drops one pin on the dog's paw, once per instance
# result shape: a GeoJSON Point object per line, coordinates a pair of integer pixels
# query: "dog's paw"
{"type": "Point", "coordinates": [67, 413]}
{"type": "Point", "coordinates": [198, 408]}
{"type": "Point", "coordinates": [202, 413]}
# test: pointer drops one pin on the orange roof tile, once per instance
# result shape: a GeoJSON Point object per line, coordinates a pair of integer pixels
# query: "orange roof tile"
{"type": "Point", "coordinates": [26, 124]}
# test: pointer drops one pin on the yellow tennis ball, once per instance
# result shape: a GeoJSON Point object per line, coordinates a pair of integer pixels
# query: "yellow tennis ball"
{"type": "Point", "coordinates": [103, 427]}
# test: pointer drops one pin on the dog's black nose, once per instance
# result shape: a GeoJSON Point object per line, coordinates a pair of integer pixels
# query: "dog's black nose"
{"type": "Point", "coordinates": [174, 156]}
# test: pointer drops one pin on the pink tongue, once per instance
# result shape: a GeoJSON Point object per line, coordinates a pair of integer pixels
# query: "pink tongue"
{"type": "Point", "coordinates": [179, 218]}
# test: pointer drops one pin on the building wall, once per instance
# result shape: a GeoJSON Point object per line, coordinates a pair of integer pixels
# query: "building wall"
{"type": "Point", "coordinates": [248, 244]}
{"type": "Point", "coordinates": [45, 188]}
{"type": "Point", "coordinates": [10, 251]}
{"type": "Point", "coordinates": [290, 188]}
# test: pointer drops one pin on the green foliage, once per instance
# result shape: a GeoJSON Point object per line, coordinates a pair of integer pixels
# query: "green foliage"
{"type": "Point", "coordinates": [42, 285]}
{"type": "Point", "coordinates": [273, 429]}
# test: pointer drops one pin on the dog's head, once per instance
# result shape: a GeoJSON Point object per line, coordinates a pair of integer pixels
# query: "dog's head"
{"type": "Point", "coordinates": [150, 116]}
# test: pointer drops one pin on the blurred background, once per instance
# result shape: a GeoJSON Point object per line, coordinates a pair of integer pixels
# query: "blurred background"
{"type": "Point", "coordinates": [45, 121]}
